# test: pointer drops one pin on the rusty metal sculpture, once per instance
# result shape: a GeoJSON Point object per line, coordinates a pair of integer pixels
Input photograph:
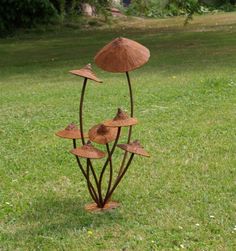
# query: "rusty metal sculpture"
{"type": "Point", "coordinates": [120, 55]}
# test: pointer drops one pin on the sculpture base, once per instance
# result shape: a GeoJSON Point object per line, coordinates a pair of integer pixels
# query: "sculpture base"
{"type": "Point", "coordinates": [108, 207]}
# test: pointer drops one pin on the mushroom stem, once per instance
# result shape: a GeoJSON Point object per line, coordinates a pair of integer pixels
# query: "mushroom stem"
{"type": "Point", "coordinates": [95, 178]}
{"type": "Point", "coordinates": [130, 128]}
{"type": "Point", "coordinates": [93, 194]}
{"type": "Point", "coordinates": [96, 200]}
{"type": "Point", "coordinates": [119, 179]}
{"type": "Point", "coordinates": [111, 173]}
{"type": "Point", "coordinates": [81, 111]}
{"type": "Point", "coordinates": [106, 163]}
{"type": "Point", "coordinates": [131, 96]}
{"type": "Point", "coordinates": [90, 186]}
{"type": "Point", "coordinates": [74, 143]}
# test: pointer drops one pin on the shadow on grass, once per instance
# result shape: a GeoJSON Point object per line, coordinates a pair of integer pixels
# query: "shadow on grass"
{"type": "Point", "coordinates": [58, 216]}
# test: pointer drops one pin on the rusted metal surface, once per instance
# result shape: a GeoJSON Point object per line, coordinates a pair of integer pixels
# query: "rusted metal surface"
{"type": "Point", "coordinates": [121, 55]}
{"type": "Point", "coordinates": [88, 151]}
{"type": "Point", "coordinates": [70, 132]}
{"type": "Point", "coordinates": [135, 148]}
{"type": "Point", "coordinates": [86, 72]}
{"type": "Point", "coordinates": [102, 134]}
{"type": "Point", "coordinates": [81, 111]}
{"type": "Point", "coordinates": [131, 115]}
{"type": "Point", "coordinates": [121, 119]}
{"type": "Point", "coordinates": [107, 207]}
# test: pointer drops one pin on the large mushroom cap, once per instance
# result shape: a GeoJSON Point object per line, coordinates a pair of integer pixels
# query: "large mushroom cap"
{"type": "Point", "coordinates": [135, 148]}
{"type": "Point", "coordinates": [122, 55]}
{"type": "Point", "coordinates": [70, 132]}
{"type": "Point", "coordinates": [86, 72]}
{"type": "Point", "coordinates": [121, 119]}
{"type": "Point", "coordinates": [88, 151]}
{"type": "Point", "coordinates": [102, 134]}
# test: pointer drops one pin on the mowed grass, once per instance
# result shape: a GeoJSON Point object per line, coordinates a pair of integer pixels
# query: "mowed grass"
{"type": "Point", "coordinates": [182, 198]}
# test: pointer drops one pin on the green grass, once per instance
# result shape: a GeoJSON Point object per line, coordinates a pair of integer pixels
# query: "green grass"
{"type": "Point", "coordinates": [182, 198]}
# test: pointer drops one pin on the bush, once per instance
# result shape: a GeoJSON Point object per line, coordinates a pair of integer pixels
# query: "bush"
{"type": "Point", "coordinates": [157, 8]}
{"type": "Point", "coordinates": [162, 8]}
{"type": "Point", "coordinates": [28, 13]}
{"type": "Point", "coordinates": [227, 7]}
{"type": "Point", "coordinates": [224, 5]}
{"type": "Point", "coordinates": [74, 7]}
{"type": "Point", "coordinates": [151, 8]}
{"type": "Point", "coordinates": [64, 7]}
{"type": "Point", "coordinates": [24, 14]}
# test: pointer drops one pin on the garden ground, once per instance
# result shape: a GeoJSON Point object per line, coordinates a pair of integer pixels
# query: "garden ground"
{"type": "Point", "coordinates": [183, 197]}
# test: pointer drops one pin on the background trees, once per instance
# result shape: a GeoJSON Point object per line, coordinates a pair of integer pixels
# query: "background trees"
{"type": "Point", "coordinates": [27, 13]}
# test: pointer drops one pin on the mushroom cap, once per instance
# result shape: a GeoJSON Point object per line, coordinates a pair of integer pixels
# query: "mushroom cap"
{"type": "Point", "coordinates": [135, 148]}
{"type": "Point", "coordinates": [121, 119]}
{"type": "Point", "coordinates": [102, 134]}
{"type": "Point", "coordinates": [88, 151]}
{"type": "Point", "coordinates": [122, 55]}
{"type": "Point", "coordinates": [70, 132]}
{"type": "Point", "coordinates": [86, 72]}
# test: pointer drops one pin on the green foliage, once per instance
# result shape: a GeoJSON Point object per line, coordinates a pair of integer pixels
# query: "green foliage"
{"type": "Point", "coordinates": [150, 8]}
{"type": "Point", "coordinates": [223, 5]}
{"type": "Point", "coordinates": [227, 7]}
{"type": "Point", "coordinates": [67, 7]}
{"type": "Point", "coordinates": [27, 13]}
{"type": "Point", "coordinates": [70, 6]}
{"type": "Point", "coordinates": [161, 8]}
{"type": "Point", "coordinates": [24, 13]}
{"type": "Point", "coordinates": [153, 8]}
{"type": "Point", "coordinates": [189, 7]}
{"type": "Point", "coordinates": [102, 7]}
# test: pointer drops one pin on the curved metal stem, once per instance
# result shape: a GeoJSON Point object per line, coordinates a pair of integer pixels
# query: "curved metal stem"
{"type": "Point", "coordinates": [94, 176]}
{"type": "Point", "coordinates": [74, 143]}
{"type": "Point", "coordinates": [106, 163]}
{"type": "Point", "coordinates": [88, 184]}
{"type": "Point", "coordinates": [93, 194]}
{"type": "Point", "coordinates": [130, 128]}
{"type": "Point", "coordinates": [111, 173]}
{"type": "Point", "coordinates": [119, 178]}
{"type": "Point", "coordinates": [81, 111]}
{"type": "Point", "coordinates": [83, 141]}
{"type": "Point", "coordinates": [131, 96]}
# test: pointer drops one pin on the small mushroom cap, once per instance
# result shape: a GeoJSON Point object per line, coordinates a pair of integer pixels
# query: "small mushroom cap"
{"type": "Point", "coordinates": [121, 119]}
{"type": "Point", "coordinates": [70, 132]}
{"type": "Point", "coordinates": [122, 55]}
{"type": "Point", "coordinates": [135, 148]}
{"type": "Point", "coordinates": [102, 134]}
{"type": "Point", "coordinates": [88, 151]}
{"type": "Point", "coordinates": [86, 72]}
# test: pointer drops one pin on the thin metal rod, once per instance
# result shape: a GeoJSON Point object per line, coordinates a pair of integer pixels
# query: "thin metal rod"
{"type": "Point", "coordinates": [119, 178]}
{"type": "Point", "coordinates": [88, 184]}
{"type": "Point", "coordinates": [94, 176]}
{"type": "Point", "coordinates": [81, 111]}
{"type": "Point", "coordinates": [111, 173]}
{"type": "Point", "coordinates": [130, 128]}
{"type": "Point", "coordinates": [131, 96]}
{"type": "Point", "coordinates": [74, 143]}
{"type": "Point", "coordinates": [83, 140]}
{"type": "Point", "coordinates": [93, 195]}
{"type": "Point", "coordinates": [107, 161]}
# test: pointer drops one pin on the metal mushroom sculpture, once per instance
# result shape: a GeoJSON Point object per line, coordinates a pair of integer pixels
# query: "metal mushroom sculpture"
{"type": "Point", "coordinates": [120, 55]}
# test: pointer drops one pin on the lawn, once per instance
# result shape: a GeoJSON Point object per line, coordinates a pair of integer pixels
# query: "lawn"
{"type": "Point", "coordinates": [182, 198]}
